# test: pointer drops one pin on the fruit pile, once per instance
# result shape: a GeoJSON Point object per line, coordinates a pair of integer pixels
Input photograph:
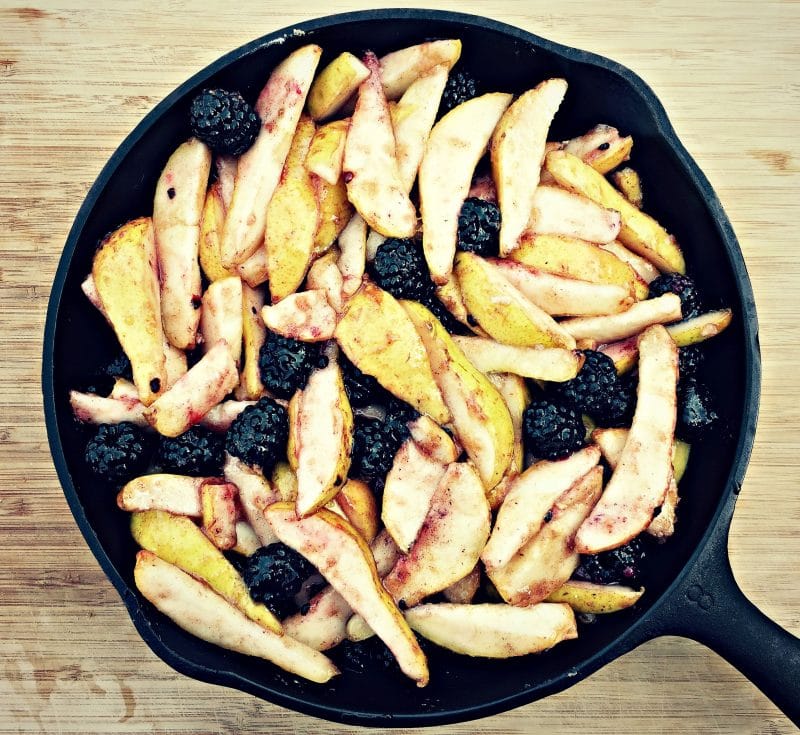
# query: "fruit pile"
{"type": "Point", "coordinates": [377, 384]}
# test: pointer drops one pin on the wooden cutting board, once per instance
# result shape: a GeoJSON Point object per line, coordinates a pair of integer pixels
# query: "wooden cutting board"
{"type": "Point", "coordinates": [76, 77]}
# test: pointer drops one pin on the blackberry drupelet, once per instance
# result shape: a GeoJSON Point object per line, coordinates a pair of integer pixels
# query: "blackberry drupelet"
{"type": "Point", "coordinates": [374, 445]}
{"type": "Point", "coordinates": [696, 414]}
{"type": "Point", "coordinates": [596, 390]}
{"type": "Point", "coordinates": [258, 435]}
{"type": "Point", "coordinates": [274, 574]}
{"type": "Point", "coordinates": [479, 227]}
{"type": "Point", "coordinates": [198, 452]}
{"type": "Point", "coordinates": [117, 452]}
{"type": "Point", "coordinates": [361, 389]}
{"type": "Point", "coordinates": [683, 286]}
{"type": "Point", "coordinates": [285, 364]}
{"type": "Point", "coordinates": [618, 566]}
{"type": "Point", "coordinates": [460, 87]}
{"type": "Point", "coordinates": [399, 267]}
{"type": "Point", "coordinates": [690, 359]}
{"type": "Point", "coordinates": [551, 430]}
{"type": "Point", "coordinates": [118, 367]}
{"type": "Point", "coordinates": [224, 120]}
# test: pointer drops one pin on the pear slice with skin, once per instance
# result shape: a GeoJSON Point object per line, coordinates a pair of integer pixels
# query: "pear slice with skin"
{"type": "Point", "coordinates": [220, 417]}
{"type": "Point", "coordinates": [353, 254]}
{"type": "Point", "coordinates": [254, 334]}
{"type": "Point", "coordinates": [334, 85]}
{"type": "Point", "coordinates": [370, 167]}
{"type": "Point", "coordinates": [494, 631]}
{"type": "Point", "coordinates": [357, 502]}
{"type": "Point", "coordinates": [335, 211]}
{"type": "Point", "coordinates": [203, 613]}
{"type": "Point", "coordinates": [326, 154]}
{"type": "Point", "coordinates": [342, 556]}
{"type": "Point", "coordinates": [700, 328]}
{"type": "Point", "coordinates": [480, 416]}
{"type": "Point", "coordinates": [454, 148]}
{"type": "Point", "coordinates": [463, 591]}
{"type": "Point", "coordinates": [548, 560]}
{"type": "Point", "coordinates": [306, 316]}
{"type": "Point", "coordinates": [642, 477]}
{"type": "Point", "coordinates": [531, 496]}
{"type": "Point", "coordinates": [324, 275]}
{"type": "Point", "coordinates": [221, 316]}
{"type": "Point", "coordinates": [595, 599]}
{"type": "Point", "coordinates": [89, 408]}
{"type": "Point", "coordinates": [643, 267]}
{"type": "Point", "coordinates": [279, 106]}
{"type": "Point", "coordinates": [560, 212]}
{"type": "Point", "coordinates": [380, 339]}
{"type": "Point", "coordinates": [175, 494]}
{"type": "Point", "coordinates": [255, 493]}
{"type": "Point", "coordinates": [399, 69]}
{"type": "Point", "coordinates": [218, 501]}
{"type": "Point", "coordinates": [517, 148]}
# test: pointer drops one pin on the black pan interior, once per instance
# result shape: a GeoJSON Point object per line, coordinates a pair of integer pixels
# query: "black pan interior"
{"type": "Point", "coordinates": [503, 59]}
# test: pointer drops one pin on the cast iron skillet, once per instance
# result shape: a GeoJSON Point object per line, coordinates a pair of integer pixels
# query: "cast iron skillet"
{"type": "Point", "coordinates": [690, 590]}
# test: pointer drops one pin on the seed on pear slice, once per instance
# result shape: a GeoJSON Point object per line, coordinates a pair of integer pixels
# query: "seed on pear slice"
{"type": "Point", "coordinates": [463, 591]}
{"type": "Point", "coordinates": [254, 334]}
{"type": "Point", "coordinates": [548, 560]}
{"type": "Point", "coordinates": [197, 609]}
{"type": "Point", "coordinates": [175, 494]}
{"type": "Point", "coordinates": [177, 540]}
{"type": "Point", "coordinates": [640, 232]}
{"type": "Point", "coordinates": [221, 315]}
{"type": "Point", "coordinates": [177, 209]}
{"type": "Point", "coordinates": [530, 497]}
{"type": "Point", "coordinates": [642, 476]}
{"type": "Point", "coordinates": [380, 339]}
{"type": "Point", "coordinates": [502, 310]}
{"type": "Point", "coordinates": [342, 556]}
{"type": "Point", "coordinates": [494, 631]}
{"type": "Point", "coordinates": [700, 328]}
{"type": "Point", "coordinates": [450, 540]}
{"type": "Point", "coordinates": [353, 254]}
{"type": "Point", "coordinates": [279, 106]}
{"type": "Point", "coordinates": [596, 599]}
{"type": "Point", "coordinates": [255, 494]}
{"type": "Point", "coordinates": [306, 316]}
{"type": "Point", "coordinates": [370, 167]}
{"type": "Point", "coordinates": [455, 146]}
{"type": "Point", "coordinates": [124, 274]}
{"type": "Point", "coordinates": [90, 408]}
{"type": "Point", "coordinates": [560, 212]}
{"type": "Point", "coordinates": [399, 69]}
{"type": "Point", "coordinates": [480, 416]}
{"type": "Point", "coordinates": [517, 148]}
{"type": "Point", "coordinates": [642, 314]}
{"type": "Point", "coordinates": [334, 85]}
{"type": "Point", "coordinates": [643, 267]}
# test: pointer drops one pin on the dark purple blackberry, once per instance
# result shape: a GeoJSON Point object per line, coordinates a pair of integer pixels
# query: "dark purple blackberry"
{"type": "Point", "coordinates": [697, 417]}
{"type": "Point", "coordinates": [440, 311]}
{"type": "Point", "coordinates": [364, 657]}
{"type": "Point", "coordinates": [274, 574]}
{"type": "Point", "coordinates": [117, 452]}
{"type": "Point", "coordinates": [595, 390]}
{"type": "Point", "coordinates": [118, 367]}
{"type": "Point", "coordinates": [374, 445]}
{"type": "Point", "coordinates": [683, 286]}
{"type": "Point", "coordinates": [399, 267]}
{"type": "Point", "coordinates": [689, 361]}
{"type": "Point", "coordinates": [621, 404]}
{"type": "Point", "coordinates": [198, 452]}
{"type": "Point", "coordinates": [618, 566]}
{"type": "Point", "coordinates": [361, 389]}
{"type": "Point", "coordinates": [258, 435]}
{"type": "Point", "coordinates": [285, 364]}
{"type": "Point", "coordinates": [551, 430]}
{"type": "Point", "coordinates": [460, 87]}
{"type": "Point", "coordinates": [224, 120]}
{"type": "Point", "coordinates": [479, 227]}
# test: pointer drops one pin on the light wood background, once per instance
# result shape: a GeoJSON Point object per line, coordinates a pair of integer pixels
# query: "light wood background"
{"type": "Point", "coordinates": [75, 77]}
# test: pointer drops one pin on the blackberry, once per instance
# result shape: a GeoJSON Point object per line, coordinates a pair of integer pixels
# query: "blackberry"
{"type": "Point", "coordinates": [286, 363]}
{"type": "Point", "coordinates": [621, 403]}
{"type": "Point", "coordinates": [696, 414]}
{"type": "Point", "coordinates": [364, 657]}
{"type": "Point", "coordinates": [258, 435]}
{"type": "Point", "coordinates": [101, 382]}
{"type": "Point", "coordinates": [622, 565]}
{"type": "Point", "coordinates": [596, 389]}
{"type": "Point", "coordinates": [198, 452]}
{"type": "Point", "coordinates": [274, 574]}
{"type": "Point", "coordinates": [118, 367]}
{"type": "Point", "coordinates": [374, 445]}
{"type": "Point", "coordinates": [460, 87]}
{"type": "Point", "coordinates": [689, 361]}
{"type": "Point", "coordinates": [399, 267]}
{"type": "Point", "coordinates": [479, 227]}
{"type": "Point", "coordinates": [224, 121]}
{"type": "Point", "coordinates": [551, 430]}
{"type": "Point", "coordinates": [442, 313]}
{"type": "Point", "coordinates": [117, 452]}
{"type": "Point", "coordinates": [683, 286]}
{"type": "Point", "coordinates": [361, 389]}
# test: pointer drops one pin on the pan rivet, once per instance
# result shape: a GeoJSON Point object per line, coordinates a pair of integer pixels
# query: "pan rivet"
{"type": "Point", "coordinates": [700, 597]}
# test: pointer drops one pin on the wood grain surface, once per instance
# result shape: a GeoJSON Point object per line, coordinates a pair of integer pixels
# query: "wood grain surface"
{"type": "Point", "coordinates": [76, 77]}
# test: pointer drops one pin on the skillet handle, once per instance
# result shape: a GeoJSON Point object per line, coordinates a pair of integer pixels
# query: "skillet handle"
{"type": "Point", "coordinates": [709, 607]}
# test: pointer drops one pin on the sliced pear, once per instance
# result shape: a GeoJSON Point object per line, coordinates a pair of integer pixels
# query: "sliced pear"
{"type": "Point", "coordinates": [559, 296]}
{"type": "Point", "coordinates": [177, 540]}
{"type": "Point", "coordinates": [255, 334]}
{"type": "Point", "coordinates": [279, 106]}
{"type": "Point", "coordinates": [643, 267]}
{"type": "Point", "coordinates": [284, 481]}
{"type": "Point", "coordinates": [454, 148]}
{"type": "Point", "coordinates": [358, 504]}
{"type": "Point", "coordinates": [325, 276]}
{"type": "Point", "coordinates": [401, 68]}
{"type": "Point", "coordinates": [480, 416]}
{"type": "Point", "coordinates": [494, 631]}
{"type": "Point", "coordinates": [374, 241]}
{"type": "Point", "coordinates": [221, 316]}
{"type": "Point", "coordinates": [517, 154]}
{"type": "Point", "coordinates": [370, 162]}
{"type": "Point", "coordinates": [449, 293]}
{"type": "Point", "coordinates": [206, 615]}
{"type": "Point", "coordinates": [124, 273]}
{"type": "Point", "coordinates": [324, 438]}
{"type": "Point", "coordinates": [90, 408]}
{"type": "Point", "coordinates": [624, 353]}
{"type": "Point", "coordinates": [379, 338]}
{"type": "Point", "coordinates": [640, 232]}
{"type": "Point", "coordinates": [531, 496]}
{"type": "Point", "coordinates": [560, 212]}
{"type": "Point", "coordinates": [342, 556]}
{"type": "Point", "coordinates": [433, 441]}
{"type": "Point", "coordinates": [641, 479]}
{"type": "Point", "coordinates": [602, 148]}
{"type": "Point", "coordinates": [463, 591]}
{"type": "Point", "coordinates": [202, 387]}
{"type": "Point", "coordinates": [660, 310]}
{"type": "Point", "coordinates": [255, 493]}
{"type": "Point", "coordinates": [548, 560]}
{"type": "Point", "coordinates": [226, 166]}
{"type": "Point", "coordinates": [220, 417]}
{"type": "Point", "coordinates": [218, 501]}
{"type": "Point", "coordinates": [306, 316]}
{"type": "Point", "coordinates": [211, 224]}
{"type": "Point", "coordinates": [700, 328]}
{"type": "Point", "coordinates": [247, 542]}
{"type": "Point", "coordinates": [595, 599]}
{"type": "Point", "coordinates": [612, 442]}
{"type": "Point", "coordinates": [501, 310]}
{"type": "Point", "coordinates": [334, 85]}
{"type": "Point", "coordinates": [413, 118]}
{"type": "Point", "coordinates": [353, 254]}
{"type": "Point", "coordinates": [630, 185]}
{"type": "Point", "coordinates": [450, 541]}
{"type": "Point", "coordinates": [255, 270]}
{"type": "Point", "coordinates": [326, 153]}
{"type": "Point", "coordinates": [335, 211]}
{"type": "Point", "coordinates": [175, 494]}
